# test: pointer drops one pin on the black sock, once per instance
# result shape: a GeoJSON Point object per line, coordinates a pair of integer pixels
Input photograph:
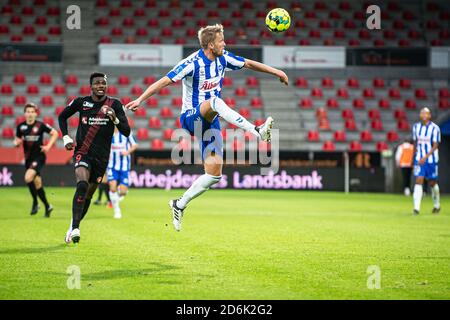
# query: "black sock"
{"type": "Point", "coordinates": [87, 203]}
{"type": "Point", "coordinates": [33, 192]}
{"type": "Point", "coordinates": [78, 203]}
{"type": "Point", "coordinates": [107, 192]}
{"type": "Point", "coordinates": [41, 194]}
{"type": "Point", "coordinates": [100, 191]}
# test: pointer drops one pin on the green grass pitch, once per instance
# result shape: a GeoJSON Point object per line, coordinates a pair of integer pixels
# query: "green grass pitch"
{"type": "Point", "coordinates": [234, 245]}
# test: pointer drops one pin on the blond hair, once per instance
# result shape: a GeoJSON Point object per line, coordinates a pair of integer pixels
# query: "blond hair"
{"type": "Point", "coordinates": [207, 34]}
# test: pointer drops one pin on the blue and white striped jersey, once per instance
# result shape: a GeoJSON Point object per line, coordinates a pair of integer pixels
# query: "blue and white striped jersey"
{"type": "Point", "coordinates": [202, 78]}
{"type": "Point", "coordinates": [425, 136]}
{"type": "Point", "coordinates": [119, 144]}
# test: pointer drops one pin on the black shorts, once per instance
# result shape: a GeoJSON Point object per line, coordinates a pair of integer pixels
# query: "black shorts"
{"type": "Point", "coordinates": [35, 164]}
{"type": "Point", "coordinates": [96, 167]}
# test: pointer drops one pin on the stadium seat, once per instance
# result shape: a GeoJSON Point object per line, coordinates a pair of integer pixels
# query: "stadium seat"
{"type": "Point", "coordinates": [154, 123]}
{"type": "Point", "coordinates": [316, 93]}
{"type": "Point", "coordinates": [404, 83]}
{"type": "Point", "coordinates": [256, 102]}
{"type": "Point", "coordinates": [420, 93]}
{"type": "Point", "coordinates": [140, 113]}
{"type": "Point", "coordinates": [384, 104]}
{"type": "Point", "coordinates": [355, 146]}
{"type": "Point", "coordinates": [368, 93]}
{"type": "Point", "coordinates": [58, 110]}
{"type": "Point", "coordinates": [305, 103]}
{"type": "Point", "coordinates": [230, 101]}
{"type": "Point", "coordinates": [301, 82]}
{"type": "Point", "coordinates": [123, 80]}
{"type": "Point", "coordinates": [47, 101]}
{"type": "Point", "coordinates": [152, 102]}
{"type": "Point", "coordinates": [332, 103]}
{"type": "Point", "coordinates": [85, 90]}
{"type": "Point", "coordinates": [53, 11]}
{"type": "Point", "coordinates": [392, 136]}
{"type": "Point", "coordinates": [149, 80]}
{"type": "Point", "coordinates": [342, 93]}
{"type": "Point", "coordinates": [45, 79]}
{"type": "Point", "coordinates": [403, 125]}
{"type": "Point", "coordinates": [6, 89]}
{"type": "Point", "coordinates": [313, 135]}
{"type": "Point", "coordinates": [400, 114]}
{"type": "Point", "coordinates": [28, 30]}
{"type": "Point", "coordinates": [376, 125]}
{"type": "Point", "coordinates": [444, 93]}
{"type": "Point", "coordinates": [167, 133]}
{"type": "Point", "coordinates": [32, 89]}
{"type": "Point", "coordinates": [49, 120]}
{"type": "Point", "coordinates": [177, 102]}
{"type": "Point", "coordinates": [328, 146]}
{"type": "Point", "coordinates": [157, 144]}
{"type": "Point", "coordinates": [240, 92]}
{"type": "Point", "coordinates": [166, 112]}
{"type": "Point", "coordinates": [7, 133]}
{"type": "Point", "coordinates": [410, 104]}
{"type": "Point", "coordinates": [20, 100]}
{"type": "Point", "coordinates": [19, 79]}
{"type": "Point", "coordinates": [350, 125]}
{"type": "Point", "coordinates": [339, 136]}
{"type": "Point", "coordinates": [252, 82]}
{"type": "Point", "coordinates": [245, 112]}
{"type": "Point", "coordinates": [374, 114]}
{"type": "Point", "coordinates": [321, 113]}
{"type": "Point", "coordinates": [59, 90]}
{"type": "Point", "coordinates": [73, 122]}
{"type": "Point", "coordinates": [136, 90]}
{"type": "Point", "coordinates": [327, 82]}
{"type": "Point", "coordinates": [19, 120]}
{"type": "Point", "coordinates": [381, 146]}
{"type": "Point", "coordinates": [366, 136]}
{"type": "Point", "coordinates": [444, 104]}
{"type": "Point", "coordinates": [54, 30]}
{"type": "Point", "coordinates": [347, 114]}
{"type": "Point", "coordinates": [353, 83]}
{"type": "Point", "coordinates": [125, 100]}
{"type": "Point", "coordinates": [324, 124]}
{"type": "Point", "coordinates": [378, 83]}
{"type": "Point", "coordinates": [7, 111]}
{"type": "Point", "coordinates": [112, 90]}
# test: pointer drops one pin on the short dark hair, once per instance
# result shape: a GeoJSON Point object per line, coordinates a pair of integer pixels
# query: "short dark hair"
{"type": "Point", "coordinates": [95, 75]}
{"type": "Point", "coordinates": [30, 105]}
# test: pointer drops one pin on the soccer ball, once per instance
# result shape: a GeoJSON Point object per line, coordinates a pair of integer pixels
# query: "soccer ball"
{"type": "Point", "coordinates": [278, 20]}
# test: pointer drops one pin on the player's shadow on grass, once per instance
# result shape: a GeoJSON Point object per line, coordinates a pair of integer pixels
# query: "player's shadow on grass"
{"type": "Point", "coordinates": [32, 250]}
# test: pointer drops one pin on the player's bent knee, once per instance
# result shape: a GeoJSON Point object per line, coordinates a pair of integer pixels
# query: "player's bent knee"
{"type": "Point", "coordinates": [82, 187]}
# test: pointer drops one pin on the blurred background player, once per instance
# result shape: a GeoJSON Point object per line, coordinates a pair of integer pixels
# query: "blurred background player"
{"type": "Point", "coordinates": [103, 187]}
{"type": "Point", "coordinates": [119, 168]}
{"type": "Point", "coordinates": [30, 134]}
{"type": "Point", "coordinates": [99, 115]}
{"type": "Point", "coordinates": [404, 160]}
{"type": "Point", "coordinates": [426, 136]}
{"type": "Point", "coordinates": [202, 73]}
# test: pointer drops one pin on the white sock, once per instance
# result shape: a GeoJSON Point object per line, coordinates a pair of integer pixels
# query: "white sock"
{"type": "Point", "coordinates": [197, 188]}
{"type": "Point", "coordinates": [114, 200]}
{"type": "Point", "coordinates": [435, 195]}
{"type": "Point", "coordinates": [418, 193]}
{"type": "Point", "coordinates": [231, 116]}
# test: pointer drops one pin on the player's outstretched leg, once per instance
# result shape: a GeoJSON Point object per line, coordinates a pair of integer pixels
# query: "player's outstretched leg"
{"type": "Point", "coordinates": [30, 175]}
{"type": "Point", "coordinates": [217, 105]}
{"type": "Point", "coordinates": [41, 194]}
{"type": "Point", "coordinates": [213, 169]}
{"type": "Point", "coordinates": [435, 194]}
{"type": "Point", "coordinates": [77, 209]}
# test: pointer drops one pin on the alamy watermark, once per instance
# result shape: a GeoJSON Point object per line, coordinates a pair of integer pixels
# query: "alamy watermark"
{"type": "Point", "coordinates": [74, 277]}
{"type": "Point", "coordinates": [374, 279]}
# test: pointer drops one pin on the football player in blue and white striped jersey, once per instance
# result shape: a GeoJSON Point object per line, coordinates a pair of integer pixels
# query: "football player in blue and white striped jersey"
{"type": "Point", "coordinates": [427, 136]}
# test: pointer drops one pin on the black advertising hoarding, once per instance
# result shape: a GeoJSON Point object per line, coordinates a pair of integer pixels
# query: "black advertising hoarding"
{"type": "Point", "coordinates": [387, 57]}
{"type": "Point", "coordinates": [234, 177]}
{"type": "Point", "coordinates": [31, 52]}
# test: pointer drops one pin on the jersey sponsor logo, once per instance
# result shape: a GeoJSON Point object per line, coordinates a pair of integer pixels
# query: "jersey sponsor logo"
{"type": "Point", "coordinates": [23, 127]}
{"type": "Point", "coordinates": [31, 138]}
{"type": "Point", "coordinates": [84, 120]}
{"type": "Point", "coordinates": [96, 121]}
{"type": "Point", "coordinates": [210, 84]}
{"type": "Point", "coordinates": [34, 164]}
{"type": "Point", "coordinates": [35, 130]}
{"type": "Point", "coordinates": [88, 104]}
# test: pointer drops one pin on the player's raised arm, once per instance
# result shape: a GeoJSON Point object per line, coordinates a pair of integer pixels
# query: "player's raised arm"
{"type": "Point", "coordinates": [151, 90]}
{"type": "Point", "coordinates": [261, 67]}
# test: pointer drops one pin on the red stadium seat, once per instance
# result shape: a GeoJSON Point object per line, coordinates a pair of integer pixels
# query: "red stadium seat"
{"type": "Point", "coordinates": [403, 125]}
{"type": "Point", "coordinates": [154, 123]}
{"type": "Point", "coordinates": [45, 79]}
{"type": "Point", "coordinates": [85, 90]}
{"type": "Point", "coordinates": [7, 133]}
{"type": "Point", "coordinates": [70, 99]}
{"type": "Point", "coordinates": [339, 34]}
{"type": "Point", "coordinates": [444, 104]}
{"type": "Point", "coordinates": [392, 136]}
{"type": "Point", "coordinates": [316, 93]}
{"type": "Point", "coordinates": [410, 104]}
{"type": "Point", "coordinates": [149, 80]}
{"type": "Point", "coordinates": [350, 125]}
{"type": "Point", "coordinates": [73, 122]}
{"type": "Point", "coordinates": [342, 93]}
{"type": "Point", "coordinates": [167, 133]}
{"type": "Point", "coordinates": [355, 146]}
{"type": "Point", "coordinates": [381, 146]}
{"type": "Point", "coordinates": [42, 38]}
{"type": "Point", "coordinates": [166, 32]}
{"type": "Point", "coordinates": [123, 80]}
{"type": "Point", "coordinates": [420, 93]}
{"type": "Point", "coordinates": [15, 20]}
{"type": "Point", "coordinates": [256, 102]}
{"type": "Point", "coordinates": [374, 114]}
{"type": "Point", "coordinates": [354, 43]}
{"type": "Point", "coordinates": [240, 92]}
{"type": "Point", "coordinates": [227, 82]}
{"type": "Point", "coordinates": [6, 89]}
{"type": "Point", "coordinates": [177, 102]}
{"type": "Point", "coordinates": [231, 102]}
{"type": "Point", "coordinates": [349, 24]}
{"type": "Point", "coordinates": [364, 34]}
{"type": "Point", "coordinates": [27, 11]}
{"type": "Point", "coordinates": [129, 22]}
{"type": "Point", "coordinates": [384, 104]}
{"type": "Point", "coordinates": [404, 43]}
{"type": "Point", "coordinates": [157, 144]}
{"type": "Point", "coordinates": [332, 103]}
{"type": "Point", "coordinates": [112, 90]}
{"type": "Point", "coordinates": [28, 30]}
{"type": "Point", "coordinates": [404, 83]}
{"type": "Point", "coordinates": [152, 102]}
{"type": "Point", "coordinates": [136, 90]}
{"type": "Point", "coordinates": [59, 89]}
{"type": "Point", "coordinates": [54, 30]}
{"type": "Point", "coordinates": [400, 114]}
{"type": "Point", "coordinates": [19, 79]}
{"type": "Point", "coordinates": [368, 93]}
{"type": "Point", "coordinates": [101, 3]}
{"type": "Point", "coordinates": [20, 100]}
{"type": "Point", "coordinates": [304, 42]}
{"type": "Point", "coordinates": [142, 134]}
{"type": "Point", "coordinates": [378, 83]}
{"type": "Point", "coordinates": [252, 82]}
{"type": "Point", "coordinates": [366, 136]}
{"type": "Point", "coordinates": [301, 82]}
{"type": "Point", "coordinates": [32, 89]}
{"type": "Point", "coordinates": [166, 112]}
{"type": "Point", "coordinates": [49, 120]}
{"type": "Point", "coordinates": [139, 13]}
{"type": "Point", "coordinates": [164, 13]}
{"type": "Point", "coordinates": [58, 110]}
{"type": "Point", "coordinates": [328, 146]}
{"type": "Point", "coordinates": [126, 4]}
{"type": "Point", "coordinates": [314, 34]}
{"type": "Point", "coordinates": [347, 114]}
{"type": "Point", "coordinates": [245, 112]}
{"type": "Point", "coordinates": [376, 125]}
{"type": "Point", "coordinates": [164, 92]}
{"type": "Point", "coordinates": [153, 23]}
{"type": "Point", "coordinates": [19, 120]}
{"type": "Point", "coordinates": [140, 113]}
{"type": "Point", "coordinates": [353, 83]}
{"type": "Point", "coordinates": [444, 93]}
{"type": "Point", "coordinates": [305, 103]}
{"type": "Point", "coordinates": [116, 32]}
{"type": "Point", "coordinates": [7, 111]}
{"type": "Point", "coordinates": [414, 34]}
{"type": "Point", "coordinates": [53, 11]}
{"type": "Point", "coordinates": [313, 135]}
{"type": "Point", "coordinates": [394, 93]}
{"type": "Point", "coordinates": [16, 38]}
{"type": "Point", "coordinates": [47, 101]}
{"type": "Point", "coordinates": [339, 136]}
{"type": "Point", "coordinates": [188, 13]}
{"type": "Point", "coordinates": [105, 39]}
{"type": "Point", "coordinates": [327, 82]}
{"type": "Point", "coordinates": [125, 100]}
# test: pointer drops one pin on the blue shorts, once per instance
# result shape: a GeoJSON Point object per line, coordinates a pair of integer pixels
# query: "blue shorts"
{"type": "Point", "coordinates": [118, 175]}
{"type": "Point", "coordinates": [208, 134]}
{"type": "Point", "coordinates": [427, 170]}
